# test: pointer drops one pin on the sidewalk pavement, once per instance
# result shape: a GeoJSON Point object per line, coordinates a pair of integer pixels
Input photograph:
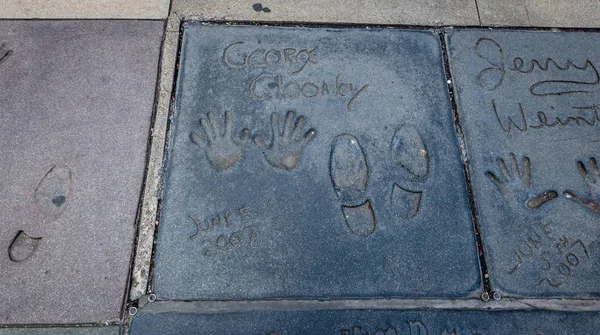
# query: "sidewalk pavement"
{"type": "Point", "coordinates": [308, 167]}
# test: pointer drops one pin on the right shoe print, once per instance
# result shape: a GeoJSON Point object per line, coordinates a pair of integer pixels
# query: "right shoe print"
{"type": "Point", "coordinates": [408, 153]}
{"type": "Point", "coordinates": [51, 196]}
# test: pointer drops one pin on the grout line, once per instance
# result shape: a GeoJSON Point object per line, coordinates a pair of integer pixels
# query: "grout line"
{"type": "Point", "coordinates": [152, 189]}
{"type": "Point", "coordinates": [478, 14]}
{"type": "Point", "coordinates": [507, 304]}
{"type": "Point", "coordinates": [341, 25]}
{"type": "Point", "coordinates": [134, 249]}
{"type": "Point", "coordinates": [485, 277]}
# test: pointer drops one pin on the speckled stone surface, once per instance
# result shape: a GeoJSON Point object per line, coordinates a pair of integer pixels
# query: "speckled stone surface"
{"type": "Point", "coordinates": [84, 9]}
{"type": "Point", "coordinates": [360, 193]}
{"type": "Point", "coordinates": [110, 330]}
{"type": "Point", "coordinates": [430, 12]}
{"type": "Point", "coordinates": [76, 101]}
{"type": "Point", "coordinates": [540, 13]}
{"type": "Point", "coordinates": [369, 322]}
{"type": "Point", "coordinates": [528, 104]}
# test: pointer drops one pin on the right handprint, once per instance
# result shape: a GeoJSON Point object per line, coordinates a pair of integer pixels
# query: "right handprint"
{"type": "Point", "coordinates": [515, 184]}
{"type": "Point", "coordinates": [284, 151]}
{"type": "Point", "coordinates": [591, 176]}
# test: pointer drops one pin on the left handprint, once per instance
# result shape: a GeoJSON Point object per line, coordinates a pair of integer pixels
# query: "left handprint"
{"type": "Point", "coordinates": [222, 150]}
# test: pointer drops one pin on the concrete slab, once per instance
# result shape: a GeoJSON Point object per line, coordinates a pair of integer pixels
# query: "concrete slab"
{"type": "Point", "coordinates": [540, 13]}
{"type": "Point", "coordinates": [76, 100]}
{"type": "Point", "coordinates": [528, 104]}
{"type": "Point", "coordinates": [368, 322]}
{"type": "Point", "coordinates": [344, 188]}
{"type": "Point", "coordinates": [85, 9]}
{"type": "Point", "coordinates": [110, 330]}
{"type": "Point", "coordinates": [438, 12]}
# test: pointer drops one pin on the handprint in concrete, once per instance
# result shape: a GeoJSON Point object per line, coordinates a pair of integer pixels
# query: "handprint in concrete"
{"type": "Point", "coordinates": [410, 154]}
{"type": "Point", "coordinates": [222, 150]}
{"type": "Point", "coordinates": [285, 149]}
{"type": "Point", "coordinates": [591, 177]}
{"type": "Point", "coordinates": [515, 184]}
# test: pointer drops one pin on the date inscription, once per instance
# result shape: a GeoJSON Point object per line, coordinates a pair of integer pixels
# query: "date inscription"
{"type": "Point", "coordinates": [558, 257]}
{"type": "Point", "coordinates": [225, 231]}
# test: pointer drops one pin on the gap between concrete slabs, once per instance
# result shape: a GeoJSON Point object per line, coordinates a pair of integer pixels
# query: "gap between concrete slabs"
{"type": "Point", "coordinates": [152, 190]}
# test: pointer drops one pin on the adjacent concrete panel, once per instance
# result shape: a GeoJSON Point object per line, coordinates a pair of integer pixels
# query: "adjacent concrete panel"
{"type": "Point", "coordinates": [112, 330]}
{"type": "Point", "coordinates": [75, 106]}
{"type": "Point", "coordinates": [437, 12]}
{"type": "Point", "coordinates": [528, 103]}
{"type": "Point", "coordinates": [84, 9]}
{"type": "Point", "coordinates": [358, 192]}
{"type": "Point", "coordinates": [540, 13]}
{"type": "Point", "coordinates": [369, 322]}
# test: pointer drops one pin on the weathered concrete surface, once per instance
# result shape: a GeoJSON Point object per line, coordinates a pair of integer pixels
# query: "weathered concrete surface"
{"type": "Point", "coordinates": [76, 100]}
{"type": "Point", "coordinates": [369, 322]}
{"type": "Point", "coordinates": [145, 242]}
{"type": "Point", "coordinates": [350, 199]}
{"type": "Point", "coordinates": [528, 105]}
{"type": "Point", "coordinates": [110, 330]}
{"type": "Point", "coordinates": [437, 12]}
{"type": "Point", "coordinates": [540, 13]}
{"type": "Point", "coordinates": [84, 9]}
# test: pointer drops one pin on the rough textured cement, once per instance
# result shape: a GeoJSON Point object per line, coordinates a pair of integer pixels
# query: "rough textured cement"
{"type": "Point", "coordinates": [145, 243]}
{"type": "Point", "coordinates": [347, 200]}
{"type": "Point", "coordinates": [369, 322]}
{"type": "Point", "coordinates": [111, 330]}
{"type": "Point", "coordinates": [76, 102]}
{"type": "Point", "coordinates": [540, 13]}
{"type": "Point", "coordinates": [84, 9]}
{"type": "Point", "coordinates": [437, 12]}
{"type": "Point", "coordinates": [528, 105]}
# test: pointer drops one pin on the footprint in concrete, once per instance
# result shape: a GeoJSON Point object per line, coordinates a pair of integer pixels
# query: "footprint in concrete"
{"type": "Point", "coordinates": [408, 151]}
{"type": "Point", "coordinates": [23, 246]}
{"type": "Point", "coordinates": [53, 191]}
{"type": "Point", "coordinates": [350, 174]}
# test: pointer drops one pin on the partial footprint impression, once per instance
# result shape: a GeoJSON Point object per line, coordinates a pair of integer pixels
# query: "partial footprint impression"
{"type": "Point", "coordinates": [350, 174]}
{"type": "Point", "coordinates": [22, 247]}
{"type": "Point", "coordinates": [408, 152]}
{"type": "Point", "coordinates": [53, 191]}
{"type": "Point", "coordinates": [51, 197]}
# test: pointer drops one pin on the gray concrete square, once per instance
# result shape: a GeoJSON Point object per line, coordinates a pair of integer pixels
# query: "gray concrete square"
{"type": "Point", "coordinates": [346, 322]}
{"type": "Point", "coordinates": [313, 163]}
{"type": "Point", "coordinates": [76, 101]}
{"type": "Point", "coordinates": [528, 104]}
